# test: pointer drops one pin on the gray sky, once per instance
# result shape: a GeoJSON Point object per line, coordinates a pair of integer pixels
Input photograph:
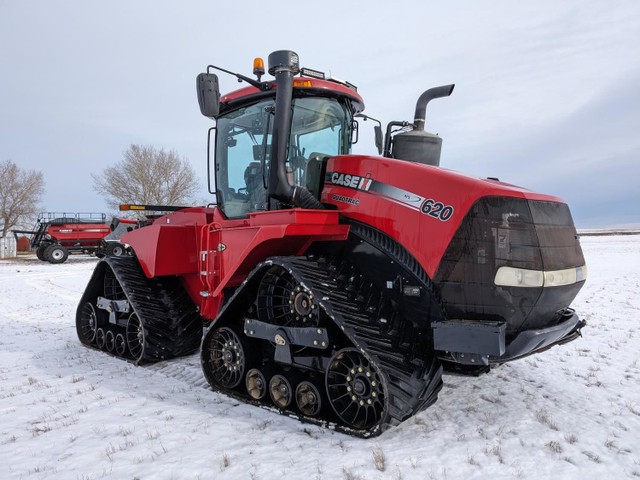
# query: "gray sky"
{"type": "Point", "coordinates": [547, 92]}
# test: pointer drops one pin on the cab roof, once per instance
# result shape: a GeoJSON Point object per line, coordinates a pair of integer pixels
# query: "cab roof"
{"type": "Point", "coordinates": [301, 85]}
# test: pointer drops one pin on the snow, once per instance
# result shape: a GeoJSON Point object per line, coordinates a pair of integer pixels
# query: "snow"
{"type": "Point", "coordinates": [70, 412]}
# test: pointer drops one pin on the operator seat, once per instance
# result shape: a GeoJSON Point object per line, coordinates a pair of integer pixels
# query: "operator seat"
{"type": "Point", "coordinates": [255, 187]}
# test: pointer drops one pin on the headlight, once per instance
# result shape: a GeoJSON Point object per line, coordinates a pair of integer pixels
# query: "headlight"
{"type": "Point", "coordinates": [520, 277]}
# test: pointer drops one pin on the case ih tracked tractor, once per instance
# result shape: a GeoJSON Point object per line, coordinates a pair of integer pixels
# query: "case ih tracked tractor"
{"type": "Point", "coordinates": [337, 285]}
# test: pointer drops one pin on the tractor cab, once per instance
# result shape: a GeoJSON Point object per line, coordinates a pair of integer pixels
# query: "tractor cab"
{"type": "Point", "coordinates": [314, 121]}
{"type": "Point", "coordinates": [320, 128]}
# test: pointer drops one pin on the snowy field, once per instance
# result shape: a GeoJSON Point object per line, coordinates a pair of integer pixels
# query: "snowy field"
{"type": "Point", "coordinates": [68, 412]}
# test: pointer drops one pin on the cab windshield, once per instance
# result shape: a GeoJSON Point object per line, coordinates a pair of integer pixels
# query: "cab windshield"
{"type": "Point", "coordinates": [320, 128]}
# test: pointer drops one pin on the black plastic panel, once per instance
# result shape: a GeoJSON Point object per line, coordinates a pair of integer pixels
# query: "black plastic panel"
{"type": "Point", "coordinates": [485, 338]}
{"type": "Point", "coordinates": [557, 235]}
{"type": "Point", "coordinates": [504, 231]}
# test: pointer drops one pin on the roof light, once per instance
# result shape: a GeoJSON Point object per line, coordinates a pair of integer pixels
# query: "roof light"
{"type": "Point", "coordinates": [308, 72]}
{"type": "Point", "coordinates": [299, 82]}
{"type": "Point", "coordinates": [258, 67]}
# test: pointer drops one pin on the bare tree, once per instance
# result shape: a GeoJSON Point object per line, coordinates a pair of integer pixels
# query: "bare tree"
{"type": "Point", "coordinates": [147, 176]}
{"type": "Point", "coordinates": [20, 193]}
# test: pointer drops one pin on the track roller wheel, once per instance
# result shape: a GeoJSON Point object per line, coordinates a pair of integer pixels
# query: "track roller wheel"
{"type": "Point", "coordinates": [135, 337]}
{"type": "Point", "coordinates": [256, 384]}
{"type": "Point", "coordinates": [110, 341]}
{"type": "Point", "coordinates": [355, 389]}
{"type": "Point", "coordinates": [223, 358]}
{"type": "Point", "coordinates": [121, 345]}
{"type": "Point", "coordinates": [87, 323]}
{"type": "Point", "coordinates": [282, 300]}
{"type": "Point", "coordinates": [100, 338]}
{"type": "Point", "coordinates": [280, 391]}
{"type": "Point", "coordinates": [308, 399]}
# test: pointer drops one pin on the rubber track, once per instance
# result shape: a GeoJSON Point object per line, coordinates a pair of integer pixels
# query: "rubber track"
{"type": "Point", "coordinates": [412, 385]}
{"type": "Point", "coordinates": [172, 325]}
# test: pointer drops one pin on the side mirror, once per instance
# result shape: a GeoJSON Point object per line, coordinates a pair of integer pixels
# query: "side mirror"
{"type": "Point", "coordinates": [378, 131]}
{"type": "Point", "coordinates": [208, 94]}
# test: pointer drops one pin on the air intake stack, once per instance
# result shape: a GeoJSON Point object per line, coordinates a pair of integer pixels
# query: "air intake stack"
{"type": "Point", "coordinates": [417, 145]}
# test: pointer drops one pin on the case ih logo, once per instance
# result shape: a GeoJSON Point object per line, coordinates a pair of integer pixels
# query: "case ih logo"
{"type": "Point", "coordinates": [352, 181]}
{"type": "Point", "coordinates": [426, 206]}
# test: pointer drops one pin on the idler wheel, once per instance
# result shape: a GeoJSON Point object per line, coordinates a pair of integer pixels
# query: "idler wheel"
{"type": "Point", "coordinates": [302, 303]}
{"type": "Point", "coordinates": [87, 323]}
{"type": "Point", "coordinates": [223, 358]}
{"type": "Point", "coordinates": [356, 389]}
{"type": "Point", "coordinates": [283, 301]}
{"type": "Point", "coordinates": [256, 384]}
{"type": "Point", "coordinates": [280, 391]}
{"type": "Point", "coordinates": [308, 399]}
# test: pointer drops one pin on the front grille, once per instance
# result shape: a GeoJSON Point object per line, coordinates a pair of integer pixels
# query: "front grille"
{"type": "Point", "coordinates": [515, 232]}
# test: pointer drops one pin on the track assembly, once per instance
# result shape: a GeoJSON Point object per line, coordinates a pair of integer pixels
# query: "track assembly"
{"type": "Point", "coordinates": [109, 318]}
{"type": "Point", "coordinates": [331, 373]}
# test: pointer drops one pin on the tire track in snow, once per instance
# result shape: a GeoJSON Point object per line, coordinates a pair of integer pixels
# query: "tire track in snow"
{"type": "Point", "coordinates": [186, 369]}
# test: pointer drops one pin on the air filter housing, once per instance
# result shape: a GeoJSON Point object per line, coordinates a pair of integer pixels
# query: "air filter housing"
{"type": "Point", "coordinates": [418, 146]}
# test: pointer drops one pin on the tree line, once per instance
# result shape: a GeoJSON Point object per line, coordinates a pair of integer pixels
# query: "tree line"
{"type": "Point", "coordinates": [145, 175]}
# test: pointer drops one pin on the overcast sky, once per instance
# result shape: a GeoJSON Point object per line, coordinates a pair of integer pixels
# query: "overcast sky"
{"type": "Point", "coordinates": [547, 93]}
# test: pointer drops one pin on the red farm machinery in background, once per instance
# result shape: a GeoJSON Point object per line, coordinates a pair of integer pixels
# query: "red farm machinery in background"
{"type": "Point", "coordinates": [56, 235]}
{"type": "Point", "coordinates": [335, 287]}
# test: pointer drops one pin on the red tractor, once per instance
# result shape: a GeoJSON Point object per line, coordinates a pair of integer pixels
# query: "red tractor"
{"type": "Point", "coordinates": [335, 287]}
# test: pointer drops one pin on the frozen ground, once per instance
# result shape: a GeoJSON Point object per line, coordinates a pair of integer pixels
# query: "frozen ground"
{"type": "Point", "coordinates": [67, 412]}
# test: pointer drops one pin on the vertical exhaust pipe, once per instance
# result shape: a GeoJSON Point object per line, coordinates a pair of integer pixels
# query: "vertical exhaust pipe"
{"type": "Point", "coordinates": [424, 99]}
